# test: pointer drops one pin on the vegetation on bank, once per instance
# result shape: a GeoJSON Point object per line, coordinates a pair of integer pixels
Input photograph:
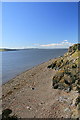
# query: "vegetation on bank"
{"type": "Point", "coordinates": [1, 50]}
{"type": "Point", "coordinates": [67, 76]}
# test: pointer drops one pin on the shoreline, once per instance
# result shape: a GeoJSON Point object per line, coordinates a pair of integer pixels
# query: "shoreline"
{"type": "Point", "coordinates": [31, 95]}
{"type": "Point", "coordinates": [28, 70]}
{"type": "Point", "coordinates": [11, 70]}
{"type": "Point", "coordinates": [11, 81]}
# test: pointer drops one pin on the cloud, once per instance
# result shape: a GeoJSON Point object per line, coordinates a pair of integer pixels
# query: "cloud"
{"type": "Point", "coordinates": [64, 44]}
{"type": "Point", "coordinates": [36, 44]}
{"type": "Point", "coordinates": [49, 45]}
{"type": "Point", "coordinates": [65, 40]}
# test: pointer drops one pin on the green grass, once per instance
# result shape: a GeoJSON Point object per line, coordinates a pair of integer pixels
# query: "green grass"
{"type": "Point", "coordinates": [2, 50]}
{"type": "Point", "coordinates": [76, 54]}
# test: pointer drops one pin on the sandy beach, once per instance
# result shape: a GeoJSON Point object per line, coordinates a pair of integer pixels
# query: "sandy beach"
{"type": "Point", "coordinates": [30, 95]}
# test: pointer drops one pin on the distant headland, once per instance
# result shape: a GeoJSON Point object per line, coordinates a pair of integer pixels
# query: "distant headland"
{"type": "Point", "coordinates": [5, 49]}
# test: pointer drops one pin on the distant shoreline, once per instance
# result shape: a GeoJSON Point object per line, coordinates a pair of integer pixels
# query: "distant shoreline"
{"type": "Point", "coordinates": [5, 49]}
{"type": "Point", "coordinates": [2, 50]}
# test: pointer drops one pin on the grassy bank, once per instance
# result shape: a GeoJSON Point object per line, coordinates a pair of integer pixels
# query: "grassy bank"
{"type": "Point", "coordinates": [1, 50]}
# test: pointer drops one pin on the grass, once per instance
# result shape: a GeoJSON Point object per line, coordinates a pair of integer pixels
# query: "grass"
{"type": "Point", "coordinates": [4, 49]}
{"type": "Point", "coordinates": [76, 54]}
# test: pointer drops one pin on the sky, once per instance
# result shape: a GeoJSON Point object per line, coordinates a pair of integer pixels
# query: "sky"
{"type": "Point", "coordinates": [39, 24]}
{"type": "Point", "coordinates": [40, 0]}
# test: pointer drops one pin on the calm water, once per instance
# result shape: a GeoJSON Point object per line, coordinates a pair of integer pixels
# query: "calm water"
{"type": "Point", "coordinates": [15, 62]}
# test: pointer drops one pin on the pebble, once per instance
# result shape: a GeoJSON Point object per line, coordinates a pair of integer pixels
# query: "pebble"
{"type": "Point", "coordinates": [41, 103]}
{"type": "Point", "coordinates": [67, 110]}
{"type": "Point", "coordinates": [29, 108]}
{"type": "Point", "coordinates": [32, 88]}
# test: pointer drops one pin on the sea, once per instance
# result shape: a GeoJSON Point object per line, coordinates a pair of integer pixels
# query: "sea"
{"type": "Point", "coordinates": [15, 62]}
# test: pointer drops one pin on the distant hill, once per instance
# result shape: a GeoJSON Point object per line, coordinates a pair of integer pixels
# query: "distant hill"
{"type": "Point", "coordinates": [5, 49]}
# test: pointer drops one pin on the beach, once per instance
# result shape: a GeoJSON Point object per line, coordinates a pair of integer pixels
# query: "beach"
{"type": "Point", "coordinates": [31, 95]}
{"type": "Point", "coordinates": [40, 60]}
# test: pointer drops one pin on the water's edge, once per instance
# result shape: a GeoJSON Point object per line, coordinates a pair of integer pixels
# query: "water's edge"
{"type": "Point", "coordinates": [24, 62]}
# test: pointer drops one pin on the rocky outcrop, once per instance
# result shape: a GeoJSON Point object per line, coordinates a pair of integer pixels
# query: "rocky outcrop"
{"type": "Point", "coordinates": [67, 76]}
{"type": "Point", "coordinates": [73, 48]}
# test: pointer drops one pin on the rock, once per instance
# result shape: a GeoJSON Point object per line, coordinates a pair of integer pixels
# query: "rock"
{"type": "Point", "coordinates": [6, 112]}
{"type": "Point", "coordinates": [52, 65]}
{"type": "Point", "coordinates": [55, 86]}
{"type": "Point", "coordinates": [75, 114]}
{"type": "Point", "coordinates": [74, 48]}
{"type": "Point", "coordinates": [67, 79]}
{"type": "Point", "coordinates": [29, 107]}
{"type": "Point", "coordinates": [74, 65]}
{"type": "Point", "coordinates": [32, 88]}
{"type": "Point", "coordinates": [61, 86]}
{"type": "Point", "coordinates": [74, 88]}
{"type": "Point", "coordinates": [77, 100]}
{"type": "Point", "coordinates": [68, 89]}
{"type": "Point", "coordinates": [67, 110]}
{"type": "Point", "coordinates": [6, 115]}
{"type": "Point", "coordinates": [78, 106]}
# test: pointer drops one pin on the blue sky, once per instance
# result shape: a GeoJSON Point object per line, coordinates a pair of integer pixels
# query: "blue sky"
{"type": "Point", "coordinates": [39, 24]}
